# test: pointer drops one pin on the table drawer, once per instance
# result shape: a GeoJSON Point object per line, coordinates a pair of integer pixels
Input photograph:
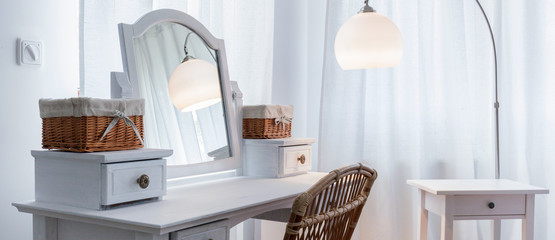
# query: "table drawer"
{"type": "Point", "coordinates": [216, 234]}
{"type": "Point", "coordinates": [211, 231]}
{"type": "Point", "coordinates": [295, 160]}
{"type": "Point", "coordinates": [478, 205]}
{"type": "Point", "coordinates": [130, 181]}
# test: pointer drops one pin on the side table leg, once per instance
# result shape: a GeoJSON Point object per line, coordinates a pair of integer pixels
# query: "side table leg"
{"type": "Point", "coordinates": [496, 229]}
{"type": "Point", "coordinates": [528, 220]}
{"type": "Point", "coordinates": [447, 219]}
{"type": "Point", "coordinates": [423, 217]}
{"type": "Point", "coordinates": [446, 227]}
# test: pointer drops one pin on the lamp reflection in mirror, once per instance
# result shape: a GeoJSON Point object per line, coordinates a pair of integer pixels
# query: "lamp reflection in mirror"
{"type": "Point", "coordinates": [194, 84]}
{"type": "Point", "coordinates": [368, 40]}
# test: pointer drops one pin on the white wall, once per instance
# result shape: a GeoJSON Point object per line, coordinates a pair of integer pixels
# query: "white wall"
{"type": "Point", "coordinates": [55, 23]}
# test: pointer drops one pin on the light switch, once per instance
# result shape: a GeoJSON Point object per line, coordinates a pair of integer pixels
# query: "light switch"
{"type": "Point", "coordinates": [30, 52]}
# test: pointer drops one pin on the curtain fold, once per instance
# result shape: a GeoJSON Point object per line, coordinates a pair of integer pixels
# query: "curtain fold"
{"type": "Point", "coordinates": [432, 116]}
{"type": "Point", "coordinates": [527, 91]}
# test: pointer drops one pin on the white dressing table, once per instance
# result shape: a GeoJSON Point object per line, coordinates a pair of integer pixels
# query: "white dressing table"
{"type": "Point", "coordinates": [194, 211]}
{"type": "Point", "coordinates": [219, 203]}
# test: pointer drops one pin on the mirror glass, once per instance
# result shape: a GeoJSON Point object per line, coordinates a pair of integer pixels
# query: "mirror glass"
{"type": "Point", "coordinates": [198, 135]}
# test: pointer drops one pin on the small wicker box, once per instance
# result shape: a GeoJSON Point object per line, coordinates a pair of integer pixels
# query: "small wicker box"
{"type": "Point", "coordinates": [91, 124]}
{"type": "Point", "coordinates": [267, 121]}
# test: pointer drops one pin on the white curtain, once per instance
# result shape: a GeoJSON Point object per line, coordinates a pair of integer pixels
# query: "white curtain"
{"type": "Point", "coordinates": [527, 93]}
{"type": "Point", "coordinates": [245, 25]}
{"type": "Point", "coordinates": [432, 115]}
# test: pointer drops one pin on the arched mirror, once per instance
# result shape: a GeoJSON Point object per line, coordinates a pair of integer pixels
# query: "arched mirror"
{"type": "Point", "coordinates": [179, 68]}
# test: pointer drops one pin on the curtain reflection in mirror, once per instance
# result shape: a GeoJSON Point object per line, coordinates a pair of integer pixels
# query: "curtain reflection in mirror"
{"type": "Point", "coordinates": [194, 136]}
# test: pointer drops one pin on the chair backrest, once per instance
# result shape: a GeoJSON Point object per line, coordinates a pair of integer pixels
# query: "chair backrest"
{"type": "Point", "coordinates": [331, 208]}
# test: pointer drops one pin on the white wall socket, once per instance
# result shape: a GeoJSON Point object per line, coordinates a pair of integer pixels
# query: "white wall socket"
{"type": "Point", "coordinates": [30, 52]}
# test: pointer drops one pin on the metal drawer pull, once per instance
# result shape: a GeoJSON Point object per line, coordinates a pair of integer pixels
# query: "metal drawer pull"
{"type": "Point", "coordinates": [491, 205]}
{"type": "Point", "coordinates": [302, 159]}
{"type": "Point", "coordinates": [143, 181]}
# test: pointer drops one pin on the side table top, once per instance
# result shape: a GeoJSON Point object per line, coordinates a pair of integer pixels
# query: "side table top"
{"type": "Point", "coordinates": [475, 186]}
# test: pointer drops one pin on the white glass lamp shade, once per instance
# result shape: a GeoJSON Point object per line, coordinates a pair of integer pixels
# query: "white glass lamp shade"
{"type": "Point", "coordinates": [368, 40]}
{"type": "Point", "coordinates": [194, 84]}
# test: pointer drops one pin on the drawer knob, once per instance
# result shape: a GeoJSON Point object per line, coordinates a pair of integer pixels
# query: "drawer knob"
{"type": "Point", "coordinates": [302, 159]}
{"type": "Point", "coordinates": [491, 205]}
{"type": "Point", "coordinates": [143, 181]}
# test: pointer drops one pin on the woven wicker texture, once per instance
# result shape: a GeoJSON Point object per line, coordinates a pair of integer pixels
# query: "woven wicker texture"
{"type": "Point", "coordinates": [265, 128]}
{"type": "Point", "coordinates": [331, 208]}
{"type": "Point", "coordinates": [81, 134]}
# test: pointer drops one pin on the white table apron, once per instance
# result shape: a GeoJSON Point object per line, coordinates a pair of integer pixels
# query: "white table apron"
{"type": "Point", "coordinates": [476, 199]}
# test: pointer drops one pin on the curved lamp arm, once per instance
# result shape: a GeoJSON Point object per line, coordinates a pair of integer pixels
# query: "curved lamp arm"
{"type": "Point", "coordinates": [496, 103]}
{"type": "Point", "coordinates": [187, 57]}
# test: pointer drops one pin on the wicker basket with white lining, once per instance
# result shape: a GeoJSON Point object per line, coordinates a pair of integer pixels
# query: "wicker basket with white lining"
{"type": "Point", "coordinates": [92, 124]}
{"type": "Point", "coordinates": [267, 121]}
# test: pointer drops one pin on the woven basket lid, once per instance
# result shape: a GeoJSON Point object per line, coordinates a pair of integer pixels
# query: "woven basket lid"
{"type": "Point", "coordinates": [85, 106]}
{"type": "Point", "coordinates": [268, 111]}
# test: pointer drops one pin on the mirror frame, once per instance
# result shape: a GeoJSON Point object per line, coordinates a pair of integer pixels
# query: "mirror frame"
{"type": "Point", "coordinates": [125, 85]}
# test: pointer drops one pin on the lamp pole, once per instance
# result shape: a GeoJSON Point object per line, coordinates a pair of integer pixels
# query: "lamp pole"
{"type": "Point", "coordinates": [496, 103]}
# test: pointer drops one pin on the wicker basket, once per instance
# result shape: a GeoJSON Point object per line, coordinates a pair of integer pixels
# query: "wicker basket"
{"type": "Point", "coordinates": [79, 133]}
{"type": "Point", "coordinates": [267, 121]}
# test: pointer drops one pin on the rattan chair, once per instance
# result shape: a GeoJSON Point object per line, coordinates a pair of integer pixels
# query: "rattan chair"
{"type": "Point", "coordinates": [331, 208]}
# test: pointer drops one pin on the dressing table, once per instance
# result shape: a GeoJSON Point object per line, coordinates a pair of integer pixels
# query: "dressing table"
{"type": "Point", "coordinates": [199, 209]}
{"type": "Point", "coordinates": [209, 188]}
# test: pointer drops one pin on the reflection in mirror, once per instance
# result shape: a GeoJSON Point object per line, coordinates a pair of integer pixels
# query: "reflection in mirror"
{"type": "Point", "coordinates": [194, 84]}
{"type": "Point", "coordinates": [198, 133]}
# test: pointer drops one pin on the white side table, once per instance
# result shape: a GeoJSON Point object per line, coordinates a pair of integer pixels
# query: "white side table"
{"type": "Point", "coordinates": [476, 199]}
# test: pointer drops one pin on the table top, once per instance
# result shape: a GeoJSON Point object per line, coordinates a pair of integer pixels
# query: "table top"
{"type": "Point", "coordinates": [190, 205]}
{"type": "Point", "coordinates": [104, 157]}
{"type": "Point", "coordinates": [475, 186]}
{"type": "Point", "coordinates": [280, 141]}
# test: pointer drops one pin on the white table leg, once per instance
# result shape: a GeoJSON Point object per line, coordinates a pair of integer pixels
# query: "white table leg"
{"type": "Point", "coordinates": [423, 217]}
{"type": "Point", "coordinates": [528, 220]}
{"type": "Point", "coordinates": [446, 227]}
{"type": "Point", "coordinates": [252, 229]}
{"type": "Point", "coordinates": [447, 219]}
{"type": "Point", "coordinates": [496, 229]}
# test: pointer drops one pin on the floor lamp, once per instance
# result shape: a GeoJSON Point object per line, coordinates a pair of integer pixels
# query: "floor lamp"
{"type": "Point", "coordinates": [371, 40]}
